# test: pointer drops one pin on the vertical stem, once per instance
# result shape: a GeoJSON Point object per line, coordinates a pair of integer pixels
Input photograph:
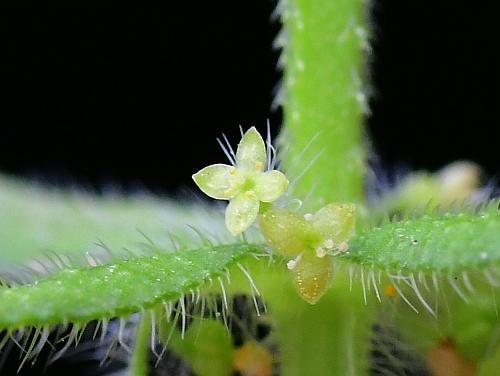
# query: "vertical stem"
{"type": "Point", "coordinates": [139, 363]}
{"type": "Point", "coordinates": [331, 337]}
{"type": "Point", "coordinates": [324, 101]}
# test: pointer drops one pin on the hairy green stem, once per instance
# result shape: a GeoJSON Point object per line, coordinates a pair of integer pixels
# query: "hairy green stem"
{"type": "Point", "coordinates": [140, 357]}
{"type": "Point", "coordinates": [328, 338]}
{"type": "Point", "coordinates": [324, 100]}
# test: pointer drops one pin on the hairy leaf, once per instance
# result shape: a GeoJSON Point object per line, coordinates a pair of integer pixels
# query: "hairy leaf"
{"type": "Point", "coordinates": [35, 219]}
{"type": "Point", "coordinates": [118, 289]}
{"type": "Point", "coordinates": [432, 242]}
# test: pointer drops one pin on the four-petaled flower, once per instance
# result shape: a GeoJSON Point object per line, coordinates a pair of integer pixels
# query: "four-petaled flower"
{"type": "Point", "coordinates": [245, 184]}
{"type": "Point", "coordinates": [310, 239]}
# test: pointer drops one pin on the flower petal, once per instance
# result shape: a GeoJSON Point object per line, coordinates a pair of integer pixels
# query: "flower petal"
{"type": "Point", "coordinates": [270, 185]}
{"type": "Point", "coordinates": [251, 152]}
{"type": "Point", "coordinates": [215, 180]}
{"type": "Point", "coordinates": [335, 222]}
{"type": "Point", "coordinates": [312, 276]}
{"type": "Point", "coordinates": [285, 231]}
{"type": "Point", "coordinates": [241, 213]}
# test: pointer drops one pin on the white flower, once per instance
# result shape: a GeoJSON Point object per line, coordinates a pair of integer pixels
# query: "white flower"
{"type": "Point", "coordinates": [245, 185]}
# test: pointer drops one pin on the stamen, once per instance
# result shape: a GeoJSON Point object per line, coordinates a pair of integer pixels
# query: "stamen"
{"type": "Point", "coordinates": [320, 252]}
{"type": "Point", "coordinates": [328, 243]}
{"type": "Point", "coordinates": [343, 247]}
{"type": "Point", "coordinates": [293, 263]}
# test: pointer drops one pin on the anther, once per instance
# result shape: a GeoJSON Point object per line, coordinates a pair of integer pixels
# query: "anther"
{"type": "Point", "coordinates": [293, 263]}
{"type": "Point", "coordinates": [328, 244]}
{"type": "Point", "coordinates": [320, 252]}
{"type": "Point", "coordinates": [343, 247]}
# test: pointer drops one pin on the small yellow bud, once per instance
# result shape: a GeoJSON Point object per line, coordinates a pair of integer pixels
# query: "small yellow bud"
{"type": "Point", "coordinates": [253, 359]}
{"type": "Point", "coordinates": [232, 170]}
{"type": "Point", "coordinates": [390, 290]}
{"type": "Point", "coordinates": [259, 166]}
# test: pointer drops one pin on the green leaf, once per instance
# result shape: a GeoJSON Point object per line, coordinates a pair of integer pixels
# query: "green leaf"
{"type": "Point", "coordinates": [118, 289]}
{"type": "Point", "coordinates": [432, 242]}
{"type": "Point", "coordinates": [35, 219]}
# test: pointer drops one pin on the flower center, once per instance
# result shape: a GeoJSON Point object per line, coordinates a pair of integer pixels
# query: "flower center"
{"type": "Point", "coordinates": [248, 184]}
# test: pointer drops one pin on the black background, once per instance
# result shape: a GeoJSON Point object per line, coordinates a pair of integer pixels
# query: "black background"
{"type": "Point", "coordinates": [136, 96]}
